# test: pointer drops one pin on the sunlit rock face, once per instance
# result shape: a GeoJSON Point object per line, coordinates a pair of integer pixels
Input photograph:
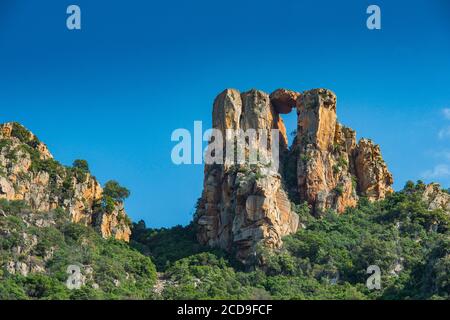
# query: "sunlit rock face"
{"type": "Point", "coordinates": [436, 198]}
{"type": "Point", "coordinates": [332, 169]}
{"type": "Point", "coordinates": [29, 173]}
{"type": "Point", "coordinates": [246, 206]}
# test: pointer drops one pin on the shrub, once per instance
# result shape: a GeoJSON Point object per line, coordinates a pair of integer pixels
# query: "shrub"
{"type": "Point", "coordinates": [5, 143]}
{"type": "Point", "coordinates": [13, 207]}
{"type": "Point", "coordinates": [165, 246]}
{"type": "Point", "coordinates": [82, 165]}
{"type": "Point", "coordinates": [115, 191]}
{"type": "Point", "coordinates": [339, 189]}
{"type": "Point", "coordinates": [305, 158]}
{"type": "Point", "coordinates": [108, 204]}
{"type": "Point", "coordinates": [20, 132]}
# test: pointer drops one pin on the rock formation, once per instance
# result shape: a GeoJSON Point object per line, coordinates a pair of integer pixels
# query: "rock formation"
{"type": "Point", "coordinates": [436, 198]}
{"type": "Point", "coordinates": [244, 206]}
{"type": "Point", "coordinates": [284, 100]}
{"type": "Point", "coordinates": [29, 173]}
{"type": "Point", "coordinates": [332, 169]}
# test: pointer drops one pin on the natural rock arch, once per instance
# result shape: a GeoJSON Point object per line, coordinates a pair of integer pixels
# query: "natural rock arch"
{"type": "Point", "coordinates": [241, 208]}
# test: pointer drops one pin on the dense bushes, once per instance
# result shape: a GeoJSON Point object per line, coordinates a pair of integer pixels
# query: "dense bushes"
{"type": "Point", "coordinates": [12, 207]}
{"type": "Point", "coordinates": [408, 242]}
{"type": "Point", "coordinates": [112, 269]}
{"type": "Point", "coordinates": [327, 260]}
{"type": "Point", "coordinates": [204, 276]}
{"type": "Point", "coordinates": [113, 193]}
{"type": "Point", "coordinates": [82, 165]}
{"type": "Point", "coordinates": [165, 246]}
{"type": "Point", "coordinates": [20, 132]}
{"type": "Point", "coordinates": [24, 136]}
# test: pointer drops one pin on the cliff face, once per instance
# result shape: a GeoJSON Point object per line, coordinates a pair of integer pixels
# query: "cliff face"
{"type": "Point", "coordinates": [29, 173]}
{"type": "Point", "coordinates": [332, 169]}
{"type": "Point", "coordinates": [436, 198]}
{"type": "Point", "coordinates": [243, 206]}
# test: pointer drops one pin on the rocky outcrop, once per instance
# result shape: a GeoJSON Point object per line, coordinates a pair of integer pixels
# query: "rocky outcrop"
{"type": "Point", "coordinates": [284, 100]}
{"type": "Point", "coordinates": [244, 206]}
{"type": "Point", "coordinates": [29, 173]}
{"type": "Point", "coordinates": [332, 169]}
{"type": "Point", "coordinates": [436, 198]}
{"type": "Point", "coordinates": [374, 179]}
{"type": "Point", "coordinates": [114, 223]}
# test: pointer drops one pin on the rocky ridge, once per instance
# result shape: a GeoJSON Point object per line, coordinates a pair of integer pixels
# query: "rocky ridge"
{"type": "Point", "coordinates": [29, 173]}
{"type": "Point", "coordinates": [333, 170]}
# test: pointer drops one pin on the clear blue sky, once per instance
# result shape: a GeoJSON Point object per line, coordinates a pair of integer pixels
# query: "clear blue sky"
{"type": "Point", "coordinates": [113, 92]}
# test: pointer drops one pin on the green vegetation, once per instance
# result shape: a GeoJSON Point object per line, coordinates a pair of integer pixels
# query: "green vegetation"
{"type": "Point", "coordinates": [115, 191]}
{"type": "Point", "coordinates": [165, 246]}
{"type": "Point", "coordinates": [80, 169]}
{"type": "Point", "coordinates": [111, 268]}
{"type": "Point", "coordinates": [354, 182]}
{"type": "Point", "coordinates": [341, 164]}
{"type": "Point", "coordinates": [339, 189]}
{"type": "Point", "coordinates": [327, 260]}
{"type": "Point", "coordinates": [5, 143]}
{"type": "Point", "coordinates": [24, 136]}
{"type": "Point", "coordinates": [12, 207]}
{"type": "Point", "coordinates": [82, 165]}
{"type": "Point", "coordinates": [305, 158]}
{"type": "Point", "coordinates": [204, 276]}
{"type": "Point", "coordinates": [20, 132]}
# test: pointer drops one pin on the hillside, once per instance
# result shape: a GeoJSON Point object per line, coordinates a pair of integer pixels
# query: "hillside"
{"type": "Point", "coordinates": [29, 173]}
{"type": "Point", "coordinates": [36, 250]}
{"type": "Point", "coordinates": [53, 217]}
{"type": "Point", "coordinates": [327, 260]}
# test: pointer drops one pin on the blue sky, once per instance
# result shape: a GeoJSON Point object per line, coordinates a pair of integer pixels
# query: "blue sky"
{"type": "Point", "coordinates": [113, 92]}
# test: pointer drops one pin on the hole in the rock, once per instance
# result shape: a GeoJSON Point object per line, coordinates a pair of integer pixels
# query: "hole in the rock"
{"type": "Point", "coordinates": [290, 121]}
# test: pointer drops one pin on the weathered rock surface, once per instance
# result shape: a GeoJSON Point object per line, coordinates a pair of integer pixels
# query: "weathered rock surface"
{"type": "Point", "coordinates": [436, 198]}
{"type": "Point", "coordinates": [284, 100]}
{"type": "Point", "coordinates": [374, 179]}
{"type": "Point", "coordinates": [245, 206]}
{"type": "Point", "coordinates": [28, 172]}
{"type": "Point", "coordinates": [332, 169]}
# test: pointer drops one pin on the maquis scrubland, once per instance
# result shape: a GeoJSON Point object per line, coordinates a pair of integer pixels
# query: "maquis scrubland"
{"type": "Point", "coordinates": [308, 230]}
